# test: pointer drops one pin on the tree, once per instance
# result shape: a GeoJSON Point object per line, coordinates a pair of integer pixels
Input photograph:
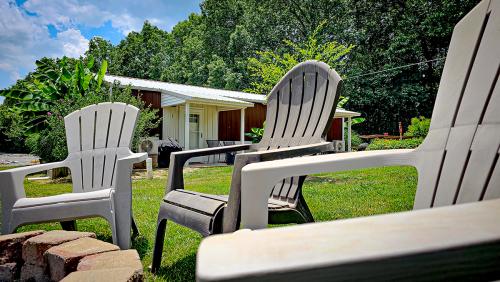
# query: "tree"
{"type": "Point", "coordinates": [141, 54]}
{"type": "Point", "coordinates": [12, 130]}
{"type": "Point", "coordinates": [188, 55]}
{"type": "Point", "coordinates": [99, 49]}
{"type": "Point", "coordinates": [216, 72]}
{"type": "Point", "coordinates": [269, 67]}
{"type": "Point", "coordinates": [390, 34]}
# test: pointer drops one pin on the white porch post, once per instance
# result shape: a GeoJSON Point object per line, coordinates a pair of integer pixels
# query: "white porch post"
{"type": "Point", "coordinates": [349, 122]}
{"type": "Point", "coordinates": [242, 126]}
{"type": "Point", "coordinates": [186, 127]}
{"type": "Point", "coordinates": [343, 132]}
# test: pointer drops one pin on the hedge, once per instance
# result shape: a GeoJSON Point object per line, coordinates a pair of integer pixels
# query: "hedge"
{"type": "Point", "coordinates": [386, 144]}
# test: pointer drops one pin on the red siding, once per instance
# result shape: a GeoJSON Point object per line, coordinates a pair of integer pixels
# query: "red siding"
{"type": "Point", "coordinates": [335, 132]}
{"type": "Point", "coordinates": [152, 99]}
{"type": "Point", "coordinates": [229, 123]}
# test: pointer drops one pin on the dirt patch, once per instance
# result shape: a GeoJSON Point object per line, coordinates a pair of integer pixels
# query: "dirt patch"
{"type": "Point", "coordinates": [18, 159]}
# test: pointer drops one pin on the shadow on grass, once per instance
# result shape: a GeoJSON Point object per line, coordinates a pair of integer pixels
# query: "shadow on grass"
{"type": "Point", "coordinates": [100, 236]}
{"type": "Point", "coordinates": [181, 270]}
{"type": "Point", "coordinates": [141, 244]}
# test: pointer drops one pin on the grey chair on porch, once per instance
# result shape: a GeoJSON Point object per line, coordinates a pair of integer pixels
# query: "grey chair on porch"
{"type": "Point", "coordinates": [300, 110]}
{"type": "Point", "coordinates": [454, 232]}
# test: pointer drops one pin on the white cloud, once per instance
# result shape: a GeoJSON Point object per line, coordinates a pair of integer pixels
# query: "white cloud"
{"type": "Point", "coordinates": [24, 35]}
{"type": "Point", "coordinates": [66, 13]}
{"type": "Point", "coordinates": [24, 39]}
{"type": "Point", "coordinates": [124, 16]}
{"type": "Point", "coordinates": [126, 23]}
{"type": "Point", "coordinates": [73, 42]}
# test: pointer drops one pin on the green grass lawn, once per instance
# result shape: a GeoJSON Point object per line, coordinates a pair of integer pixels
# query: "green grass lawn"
{"type": "Point", "coordinates": [330, 196]}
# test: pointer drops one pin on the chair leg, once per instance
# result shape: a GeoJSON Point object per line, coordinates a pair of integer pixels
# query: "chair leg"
{"type": "Point", "coordinates": [69, 225]}
{"type": "Point", "coordinates": [303, 209]}
{"type": "Point", "coordinates": [158, 247]}
{"type": "Point", "coordinates": [135, 230]}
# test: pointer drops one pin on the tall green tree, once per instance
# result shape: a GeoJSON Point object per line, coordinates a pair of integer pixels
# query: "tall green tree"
{"type": "Point", "coordinates": [269, 67]}
{"type": "Point", "coordinates": [100, 49]}
{"type": "Point", "coordinates": [188, 56]}
{"type": "Point", "coordinates": [141, 54]}
{"type": "Point", "coordinates": [390, 35]}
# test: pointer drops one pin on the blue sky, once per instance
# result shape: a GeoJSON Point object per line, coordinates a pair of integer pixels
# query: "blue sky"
{"type": "Point", "coordinates": [31, 29]}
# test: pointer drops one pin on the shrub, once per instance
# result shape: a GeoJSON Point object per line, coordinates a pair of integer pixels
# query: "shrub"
{"type": "Point", "coordinates": [12, 130]}
{"type": "Point", "coordinates": [256, 133]}
{"type": "Point", "coordinates": [31, 142]}
{"type": "Point", "coordinates": [355, 139]}
{"type": "Point", "coordinates": [386, 144]}
{"type": "Point", "coordinates": [419, 127]}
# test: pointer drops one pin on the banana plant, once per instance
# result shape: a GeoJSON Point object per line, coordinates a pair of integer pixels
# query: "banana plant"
{"type": "Point", "coordinates": [256, 134]}
{"type": "Point", "coordinates": [53, 80]}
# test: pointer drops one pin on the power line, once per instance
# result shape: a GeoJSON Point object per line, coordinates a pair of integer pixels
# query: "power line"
{"type": "Point", "coordinates": [395, 68]}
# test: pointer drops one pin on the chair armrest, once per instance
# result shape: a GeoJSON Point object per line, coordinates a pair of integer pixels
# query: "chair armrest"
{"type": "Point", "coordinates": [134, 158]}
{"type": "Point", "coordinates": [123, 195]}
{"type": "Point", "coordinates": [124, 167]}
{"type": "Point", "coordinates": [291, 152]}
{"type": "Point", "coordinates": [258, 179]}
{"type": "Point", "coordinates": [12, 181]}
{"type": "Point", "coordinates": [178, 159]}
{"type": "Point", "coordinates": [186, 155]}
{"type": "Point", "coordinates": [25, 170]}
{"type": "Point", "coordinates": [232, 211]}
{"type": "Point", "coordinates": [450, 243]}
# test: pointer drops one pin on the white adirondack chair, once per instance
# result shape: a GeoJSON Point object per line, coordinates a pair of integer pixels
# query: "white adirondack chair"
{"type": "Point", "coordinates": [458, 167]}
{"type": "Point", "coordinates": [100, 161]}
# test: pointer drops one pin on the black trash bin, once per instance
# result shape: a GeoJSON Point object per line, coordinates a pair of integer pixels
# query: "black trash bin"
{"type": "Point", "coordinates": [230, 155]}
{"type": "Point", "coordinates": [165, 148]}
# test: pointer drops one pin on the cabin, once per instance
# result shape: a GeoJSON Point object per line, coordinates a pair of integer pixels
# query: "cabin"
{"type": "Point", "coordinates": [193, 114]}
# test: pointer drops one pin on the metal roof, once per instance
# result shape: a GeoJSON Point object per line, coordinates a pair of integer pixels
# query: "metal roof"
{"type": "Point", "coordinates": [181, 93]}
{"type": "Point", "coordinates": [339, 112]}
{"type": "Point", "coordinates": [188, 92]}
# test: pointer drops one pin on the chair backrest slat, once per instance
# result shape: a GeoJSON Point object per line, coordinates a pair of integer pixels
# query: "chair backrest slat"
{"type": "Point", "coordinates": [97, 136]}
{"type": "Point", "coordinates": [316, 109]}
{"type": "Point", "coordinates": [328, 107]}
{"type": "Point", "coordinates": [283, 115]}
{"type": "Point", "coordinates": [102, 121]}
{"type": "Point", "coordinates": [310, 85]}
{"type": "Point", "coordinates": [128, 126]}
{"type": "Point", "coordinates": [459, 155]}
{"type": "Point", "coordinates": [299, 112]}
{"type": "Point", "coordinates": [493, 188]}
{"type": "Point", "coordinates": [87, 127]}
{"type": "Point", "coordinates": [115, 124]}
{"type": "Point", "coordinates": [461, 53]}
{"type": "Point", "coordinates": [295, 110]}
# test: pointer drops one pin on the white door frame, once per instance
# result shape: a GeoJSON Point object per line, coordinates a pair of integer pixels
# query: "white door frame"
{"type": "Point", "coordinates": [201, 121]}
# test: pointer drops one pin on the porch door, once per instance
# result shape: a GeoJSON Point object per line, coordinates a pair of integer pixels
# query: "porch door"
{"type": "Point", "coordinates": [195, 133]}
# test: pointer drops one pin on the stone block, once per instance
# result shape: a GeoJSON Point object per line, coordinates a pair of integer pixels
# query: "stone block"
{"type": "Point", "coordinates": [115, 259]}
{"type": "Point", "coordinates": [110, 260]}
{"type": "Point", "coordinates": [31, 272]}
{"type": "Point", "coordinates": [104, 275]}
{"type": "Point", "coordinates": [11, 246]}
{"type": "Point", "coordinates": [35, 247]}
{"type": "Point", "coordinates": [63, 259]}
{"type": "Point", "coordinates": [8, 271]}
